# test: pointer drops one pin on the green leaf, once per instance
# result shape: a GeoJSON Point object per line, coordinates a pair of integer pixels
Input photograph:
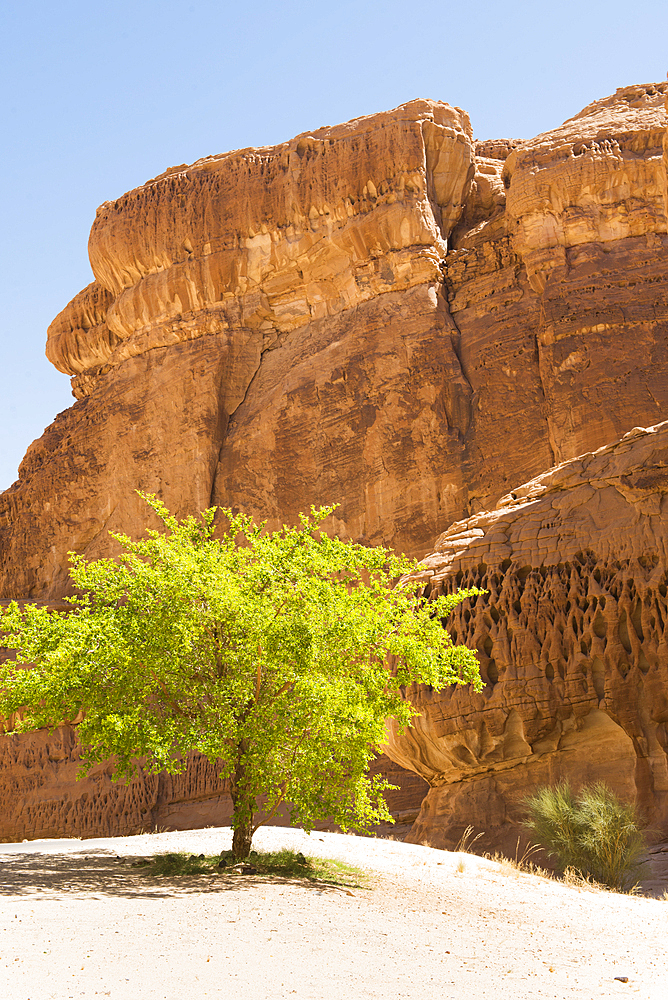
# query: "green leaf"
{"type": "Point", "coordinates": [278, 655]}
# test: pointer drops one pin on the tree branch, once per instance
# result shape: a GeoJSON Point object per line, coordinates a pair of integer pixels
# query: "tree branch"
{"type": "Point", "coordinates": [270, 814]}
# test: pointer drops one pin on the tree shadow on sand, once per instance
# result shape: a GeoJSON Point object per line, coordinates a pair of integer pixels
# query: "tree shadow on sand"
{"type": "Point", "coordinates": [98, 873]}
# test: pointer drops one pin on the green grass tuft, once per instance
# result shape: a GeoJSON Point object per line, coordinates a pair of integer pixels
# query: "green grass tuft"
{"type": "Point", "coordinates": [285, 864]}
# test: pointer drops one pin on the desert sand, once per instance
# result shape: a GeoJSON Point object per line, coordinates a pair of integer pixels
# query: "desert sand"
{"type": "Point", "coordinates": [79, 921]}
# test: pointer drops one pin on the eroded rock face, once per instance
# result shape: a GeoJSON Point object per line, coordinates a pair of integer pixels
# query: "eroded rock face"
{"type": "Point", "coordinates": [572, 640]}
{"type": "Point", "coordinates": [385, 314]}
{"type": "Point", "coordinates": [550, 288]}
{"type": "Point", "coordinates": [269, 240]}
{"type": "Point", "coordinates": [41, 797]}
{"type": "Point", "coordinates": [315, 263]}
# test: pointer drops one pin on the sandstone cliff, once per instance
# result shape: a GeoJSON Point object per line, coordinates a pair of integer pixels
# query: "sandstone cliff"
{"type": "Point", "coordinates": [385, 313]}
{"type": "Point", "coordinates": [573, 643]}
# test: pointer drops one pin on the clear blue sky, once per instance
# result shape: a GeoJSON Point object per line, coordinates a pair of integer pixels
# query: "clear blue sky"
{"type": "Point", "coordinates": [98, 97]}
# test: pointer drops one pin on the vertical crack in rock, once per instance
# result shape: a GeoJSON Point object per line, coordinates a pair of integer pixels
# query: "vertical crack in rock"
{"type": "Point", "coordinates": [552, 443]}
{"type": "Point", "coordinates": [226, 420]}
{"type": "Point", "coordinates": [456, 333]}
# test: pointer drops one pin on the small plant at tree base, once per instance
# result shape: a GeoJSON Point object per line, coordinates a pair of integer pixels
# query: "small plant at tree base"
{"type": "Point", "coordinates": [265, 652]}
{"type": "Point", "coordinates": [284, 864]}
{"type": "Point", "coordinates": [593, 833]}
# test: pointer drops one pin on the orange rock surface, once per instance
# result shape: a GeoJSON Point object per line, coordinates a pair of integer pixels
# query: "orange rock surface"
{"type": "Point", "coordinates": [572, 641]}
{"type": "Point", "coordinates": [384, 314]}
{"type": "Point", "coordinates": [387, 313]}
{"type": "Point", "coordinates": [42, 797]}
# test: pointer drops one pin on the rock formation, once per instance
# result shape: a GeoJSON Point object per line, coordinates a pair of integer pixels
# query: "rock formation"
{"type": "Point", "coordinates": [41, 796]}
{"type": "Point", "coordinates": [305, 276]}
{"type": "Point", "coordinates": [386, 313]}
{"type": "Point", "coordinates": [573, 644]}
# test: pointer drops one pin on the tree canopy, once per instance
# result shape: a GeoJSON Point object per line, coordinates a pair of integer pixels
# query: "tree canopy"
{"type": "Point", "coordinates": [278, 655]}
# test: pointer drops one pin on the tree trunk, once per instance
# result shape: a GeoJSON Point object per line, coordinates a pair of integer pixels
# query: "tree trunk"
{"type": "Point", "coordinates": [242, 815]}
{"type": "Point", "coordinates": [242, 840]}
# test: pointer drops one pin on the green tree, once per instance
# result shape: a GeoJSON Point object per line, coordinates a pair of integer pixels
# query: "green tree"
{"type": "Point", "coordinates": [266, 652]}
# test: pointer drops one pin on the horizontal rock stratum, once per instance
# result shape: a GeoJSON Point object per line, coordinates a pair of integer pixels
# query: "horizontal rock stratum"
{"type": "Point", "coordinates": [387, 314]}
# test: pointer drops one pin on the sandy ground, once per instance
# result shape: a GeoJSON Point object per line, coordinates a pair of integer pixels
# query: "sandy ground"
{"type": "Point", "coordinates": [78, 921]}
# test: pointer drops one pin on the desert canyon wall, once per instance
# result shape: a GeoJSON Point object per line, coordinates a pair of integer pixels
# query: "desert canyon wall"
{"type": "Point", "coordinates": [388, 314]}
{"type": "Point", "coordinates": [572, 639]}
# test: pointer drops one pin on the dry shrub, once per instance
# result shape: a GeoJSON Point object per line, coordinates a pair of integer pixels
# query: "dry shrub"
{"type": "Point", "coordinates": [521, 864]}
{"type": "Point", "coordinates": [467, 840]}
